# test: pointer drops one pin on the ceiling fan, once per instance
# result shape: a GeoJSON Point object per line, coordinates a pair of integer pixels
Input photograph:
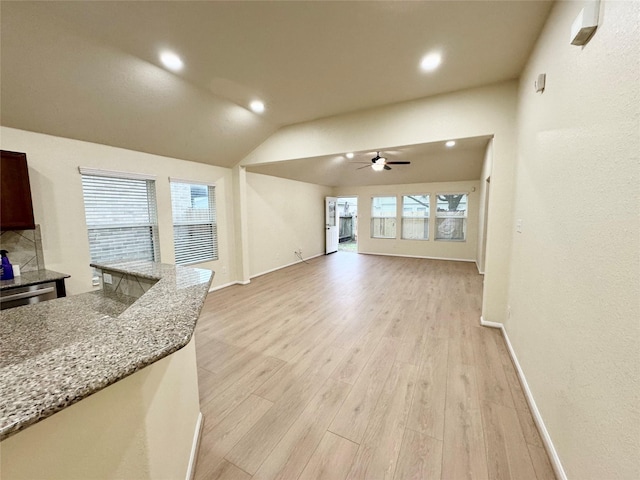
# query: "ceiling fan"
{"type": "Point", "coordinates": [379, 163]}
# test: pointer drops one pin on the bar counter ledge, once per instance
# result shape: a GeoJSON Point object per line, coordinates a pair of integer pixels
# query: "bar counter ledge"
{"type": "Point", "coordinates": [83, 358]}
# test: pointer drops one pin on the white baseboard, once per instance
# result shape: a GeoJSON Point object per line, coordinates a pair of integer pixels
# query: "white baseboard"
{"type": "Point", "coordinates": [417, 256]}
{"type": "Point", "coordinates": [237, 282]}
{"type": "Point", "coordinates": [486, 323]}
{"type": "Point", "coordinates": [195, 446]}
{"type": "Point", "coordinates": [481, 272]}
{"type": "Point", "coordinates": [285, 266]}
{"type": "Point", "coordinates": [213, 289]}
{"type": "Point", "coordinates": [537, 417]}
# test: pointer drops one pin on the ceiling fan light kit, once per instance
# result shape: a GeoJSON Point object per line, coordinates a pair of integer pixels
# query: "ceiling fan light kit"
{"type": "Point", "coordinates": [379, 163]}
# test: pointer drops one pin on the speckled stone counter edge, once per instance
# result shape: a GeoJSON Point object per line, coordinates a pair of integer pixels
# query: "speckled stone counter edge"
{"type": "Point", "coordinates": [34, 277]}
{"type": "Point", "coordinates": [158, 324]}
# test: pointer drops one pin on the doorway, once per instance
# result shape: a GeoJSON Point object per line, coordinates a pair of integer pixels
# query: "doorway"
{"type": "Point", "coordinates": [348, 224]}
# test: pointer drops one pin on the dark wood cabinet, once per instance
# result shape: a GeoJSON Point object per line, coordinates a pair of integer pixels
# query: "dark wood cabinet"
{"type": "Point", "coordinates": [16, 208]}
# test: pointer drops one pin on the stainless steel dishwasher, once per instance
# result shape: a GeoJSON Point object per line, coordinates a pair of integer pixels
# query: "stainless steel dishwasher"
{"type": "Point", "coordinates": [16, 297]}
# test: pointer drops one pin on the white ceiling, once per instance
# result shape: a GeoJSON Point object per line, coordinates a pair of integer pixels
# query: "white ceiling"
{"type": "Point", "coordinates": [430, 162]}
{"type": "Point", "coordinates": [90, 70]}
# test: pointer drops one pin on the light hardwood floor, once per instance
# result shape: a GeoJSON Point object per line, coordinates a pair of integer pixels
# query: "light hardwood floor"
{"type": "Point", "coordinates": [358, 366]}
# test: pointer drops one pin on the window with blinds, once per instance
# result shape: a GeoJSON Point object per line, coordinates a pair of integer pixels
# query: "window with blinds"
{"type": "Point", "coordinates": [121, 216]}
{"type": "Point", "coordinates": [195, 234]}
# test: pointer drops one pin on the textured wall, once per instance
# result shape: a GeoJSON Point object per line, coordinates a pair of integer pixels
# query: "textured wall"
{"type": "Point", "coordinates": [282, 216]}
{"type": "Point", "coordinates": [574, 282]}
{"type": "Point", "coordinates": [485, 188]}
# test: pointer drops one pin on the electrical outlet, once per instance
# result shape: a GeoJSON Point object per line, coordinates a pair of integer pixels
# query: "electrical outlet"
{"type": "Point", "coordinates": [224, 269]}
{"type": "Point", "coordinates": [508, 312]}
{"type": "Point", "coordinates": [106, 278]}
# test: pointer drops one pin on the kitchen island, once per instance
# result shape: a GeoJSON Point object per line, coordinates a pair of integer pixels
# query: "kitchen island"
{"type": "Point", "coordinates": [83, 358]}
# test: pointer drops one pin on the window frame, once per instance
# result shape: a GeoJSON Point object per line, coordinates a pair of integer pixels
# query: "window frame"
{"type": "Point", "coordinates": [152, 211]}
{"type": "Point", "coordinates": [465, 218]}
{"type": "Point", "coordinates": [213, 221]}
{"type": "Point", "coordinates": [427, 218]}
{"type": "Point", "coordinates": [374, 217]}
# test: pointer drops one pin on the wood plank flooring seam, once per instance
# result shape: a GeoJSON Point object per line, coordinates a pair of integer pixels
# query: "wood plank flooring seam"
{"type": "Point", "coordinates": [444, 426]}
{"type": "Point", "coordinates": [425, 434]}
{"type": "Point", "coordinates": [237, 466]}
{"type": "Point", "coordinates": [302, 408]}
{"type": "Point", "coordinates": [381, 387]}
{"type": "Point", "coordinates": [368, 359]}
{"type": "Point", "coordinates": [401, 449]}
{"type": "Point", "coordinates": [337, 434]}
{"type": "Point", "coordinates": [310, 426]}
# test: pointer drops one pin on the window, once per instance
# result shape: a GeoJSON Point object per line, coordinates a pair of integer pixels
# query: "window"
{"type": "Point", "coordinates": [122, 220]}
{"type": "Point", "coordinates": [383, 217]}
{"type": "Point", "coordinates": [415, 217]}
{"type": "Point", "coordinates": [451, 217]}
{"type": "Point", "coordinates": [195, 234]}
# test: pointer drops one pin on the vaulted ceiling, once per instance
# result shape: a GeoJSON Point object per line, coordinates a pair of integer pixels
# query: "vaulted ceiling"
{"type": "Point", "coordinates": [91, 70]}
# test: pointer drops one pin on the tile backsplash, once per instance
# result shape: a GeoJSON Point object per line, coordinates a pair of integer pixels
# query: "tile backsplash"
{"type": "Point", "coordinates": [126, 284]}
{"type": "Point", "coordinates": [24, 247]}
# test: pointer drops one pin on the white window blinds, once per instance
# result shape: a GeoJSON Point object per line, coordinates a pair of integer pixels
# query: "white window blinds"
{"type": "Point", "coordinates": [195, 234]}
{"type": "Point", "coordinates": [121, 217]}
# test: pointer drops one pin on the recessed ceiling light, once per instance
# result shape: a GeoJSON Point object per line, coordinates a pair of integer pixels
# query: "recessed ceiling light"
{"type": "Point", "coordinates": [349, 155]}
{"type": "Point", "coordinates": [450, 143]}
{"type": "Point", "coordinates": [430, 61]}
{"type": "Point", "coordinates": [257, 106]}
{"type": "Point", "coordinates": [171, 61]}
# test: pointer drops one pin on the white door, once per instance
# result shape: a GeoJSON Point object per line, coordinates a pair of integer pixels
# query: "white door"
{"type": "Point", "coordinates": [331, 224]}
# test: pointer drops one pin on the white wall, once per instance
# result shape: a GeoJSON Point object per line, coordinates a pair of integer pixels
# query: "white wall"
{"type": "Point", "coordinates": [56, 188]}
{"type": "Point", "coordinates": [487, 165]}
{"type": "Point", "coordinates": [489, 110]}
{"type": "Point", "coordinates": [575, 268]}
{"type": "Point", "coordinates": [283, 216]}
{"type": "Point", "coordinates": [141, 427]}
{"type": "Point", "coordinates": [418, 248]}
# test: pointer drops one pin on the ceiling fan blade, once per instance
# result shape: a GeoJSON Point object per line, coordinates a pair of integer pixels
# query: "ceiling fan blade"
{"type": "Point", "coordinates": [398, 163]}
{"type": "Point", "coordinates": [387, 167]}
{"type": "Point", "coordinates": [366, 166]}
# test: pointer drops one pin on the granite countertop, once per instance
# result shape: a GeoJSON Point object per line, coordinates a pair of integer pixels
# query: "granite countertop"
{"type": "Point", "coordinates": [34, 277]}
{"type": "Point", "coordinates": [58, 352]}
